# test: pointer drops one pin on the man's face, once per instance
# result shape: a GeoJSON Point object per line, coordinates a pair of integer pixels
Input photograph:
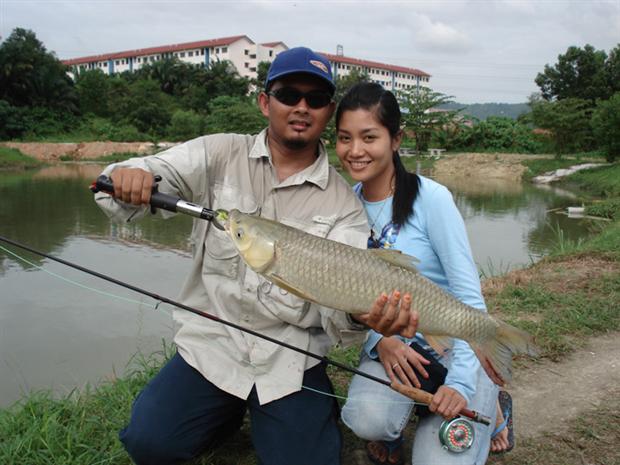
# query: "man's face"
{"type": "Point", "coordinates": [298, 125]}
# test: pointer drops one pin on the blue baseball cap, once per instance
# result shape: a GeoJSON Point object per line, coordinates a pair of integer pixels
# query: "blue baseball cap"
{"type": "Point", "coordinates": [300, 60]}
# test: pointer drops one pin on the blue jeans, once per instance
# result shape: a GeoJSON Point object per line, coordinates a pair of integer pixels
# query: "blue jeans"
{"type": "Point", "coordinates": [375, 412]}
{"type": "Point", "coordinates": [180, 415]}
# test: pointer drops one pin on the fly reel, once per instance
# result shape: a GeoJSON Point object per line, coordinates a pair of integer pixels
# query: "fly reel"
{"type": "Point", "coordinates": [456, 435]}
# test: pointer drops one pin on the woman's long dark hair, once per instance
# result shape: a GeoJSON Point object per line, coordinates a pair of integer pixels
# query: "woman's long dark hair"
{"type": "Point", "coordinates": [373, 97]}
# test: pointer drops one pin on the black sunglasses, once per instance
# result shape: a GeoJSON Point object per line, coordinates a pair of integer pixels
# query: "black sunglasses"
{"type": "Point", "coordinates": [290, 96]}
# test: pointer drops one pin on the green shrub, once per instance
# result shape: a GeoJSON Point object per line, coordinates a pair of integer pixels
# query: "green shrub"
{"type": "Point", "coordinates": [606, 126]}
{"type": "Point", "coordinates": [609, 208]}
{"type": "Point", "coordinates": [186, 125]}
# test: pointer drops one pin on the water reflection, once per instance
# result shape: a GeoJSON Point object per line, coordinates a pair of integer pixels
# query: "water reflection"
{"type": "Point", "coordinates": [512, 224]}
{"type": "Point", "coordinates": [57, 335]}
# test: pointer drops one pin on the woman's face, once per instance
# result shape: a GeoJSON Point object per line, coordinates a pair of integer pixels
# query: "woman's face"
{"type": "Point", "coordinates": [364, 147]}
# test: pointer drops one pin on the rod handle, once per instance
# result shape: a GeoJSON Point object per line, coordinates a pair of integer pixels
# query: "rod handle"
{"type": "Point", "coordinates": [158, 200]}
{"type": "Point", "coordinates": [424, 397]}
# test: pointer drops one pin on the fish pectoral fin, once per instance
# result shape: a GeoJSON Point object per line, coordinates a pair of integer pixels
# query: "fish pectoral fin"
{"type": "Point", "coordinates": [280, 282]}
{"type": "Point", "coordinates": [439, 343]}
{"type": "Point", "coordinates": [396, 258]}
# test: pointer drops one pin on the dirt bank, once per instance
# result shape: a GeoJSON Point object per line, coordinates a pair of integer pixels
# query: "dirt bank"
{"type": "Point", "coordinates": [503, 166]}
{"type": "Point", "coordinates": [53, 151]}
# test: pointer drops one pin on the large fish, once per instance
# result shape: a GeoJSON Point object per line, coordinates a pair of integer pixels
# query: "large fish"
{"type": "Point", "coordinates": [350, 279]}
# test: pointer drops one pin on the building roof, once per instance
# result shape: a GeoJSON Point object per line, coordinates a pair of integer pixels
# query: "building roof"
{"type": "Point", "coordinates": [273, 44]}
{"type": "Point", "coordinates": [373, 64]}
{"type": "Point", "coordinates": [155, 50]}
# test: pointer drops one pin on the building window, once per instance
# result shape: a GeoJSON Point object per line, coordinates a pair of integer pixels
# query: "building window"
{"type": "Point", "coordinates": [247, 65]}
{"type": "Point", "coordinates": [182, 54]}
{"type": "Point", "coordinates": [202, 52]}
{"type": "Point", "coordinates": [224, 49]}
{"type": "Point", "coordinates": [190, 53]}
{"type": "Point", "coordinates": [270, 53]}
{"type": "Point", "coordinates": [246, 52]}
{"type": "Point", "coordinates": [217, 50]}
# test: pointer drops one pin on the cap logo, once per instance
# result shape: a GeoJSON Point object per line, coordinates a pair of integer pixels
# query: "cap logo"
{"type": "Point", "coordinates": [319, 65]}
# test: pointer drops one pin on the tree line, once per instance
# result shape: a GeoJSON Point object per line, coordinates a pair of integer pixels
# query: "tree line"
{"type": "Point", "coordinates": [576, 110]}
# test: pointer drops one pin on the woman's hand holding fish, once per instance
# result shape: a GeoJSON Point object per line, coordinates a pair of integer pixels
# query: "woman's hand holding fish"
{"type": "Point", "coordinates": [401, 362]}
{"type": "Point", "coordinates": [391, 315]}
{"type": "Point", "coordinates": [447, 402]}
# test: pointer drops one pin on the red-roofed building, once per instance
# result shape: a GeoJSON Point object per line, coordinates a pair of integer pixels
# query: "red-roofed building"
{"type": "Point", "coordinates": [391, 77]}
{"type": "Point", "coordinates": [242, 51]}
{"type": "Point", "coordinates": [245, 55]}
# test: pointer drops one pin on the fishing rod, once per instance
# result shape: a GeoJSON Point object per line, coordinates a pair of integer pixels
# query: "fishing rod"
{"type": "Point", "coordinates": [171, 203]}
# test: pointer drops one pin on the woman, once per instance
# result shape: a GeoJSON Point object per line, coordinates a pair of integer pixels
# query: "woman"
{"type": "Point", "coordinates": [417, 216]}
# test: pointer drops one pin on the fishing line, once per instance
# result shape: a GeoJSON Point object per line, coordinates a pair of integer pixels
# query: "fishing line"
{"type": "Point", "coordinates": [156, 307]}
{"type": "Point", "coordinates": [75, 283]}
{"type": "Point", "coordinates": [283, 380]}
{"type": "Point", "coordinates": [195, 311]}
{"type": "Point", "coordinates": [413, 393]}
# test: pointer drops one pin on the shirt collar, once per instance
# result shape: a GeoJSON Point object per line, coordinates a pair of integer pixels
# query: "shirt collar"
{"type": "Point", "coordinates": [317, 173]}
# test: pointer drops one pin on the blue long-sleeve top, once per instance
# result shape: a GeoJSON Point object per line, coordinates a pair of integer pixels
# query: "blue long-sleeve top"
{"type": "Point", "coordinates": [435, 234]}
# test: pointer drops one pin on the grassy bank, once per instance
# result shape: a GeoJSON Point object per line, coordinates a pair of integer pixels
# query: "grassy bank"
{"type": "Point", "coordinates": [14, 159]}
{"type": "Point", "coordinates": [566, 298]}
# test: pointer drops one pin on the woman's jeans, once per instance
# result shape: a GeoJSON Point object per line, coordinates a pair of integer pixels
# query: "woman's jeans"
{"type": "Point", "coordinates": [376, 412]}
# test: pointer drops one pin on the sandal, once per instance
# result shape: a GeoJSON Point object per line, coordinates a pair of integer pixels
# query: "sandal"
{"type": "Point", "coordinates": [505, 404]}
{"type": "Point", "coordinates": [386, 452]}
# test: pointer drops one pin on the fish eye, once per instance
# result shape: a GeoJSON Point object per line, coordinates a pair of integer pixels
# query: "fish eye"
{"type": "Point", "coordinates": [239, 233]}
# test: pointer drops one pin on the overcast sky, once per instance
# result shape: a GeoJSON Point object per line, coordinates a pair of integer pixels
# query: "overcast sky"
{"type": "Point", "coordinates": [476, 50]}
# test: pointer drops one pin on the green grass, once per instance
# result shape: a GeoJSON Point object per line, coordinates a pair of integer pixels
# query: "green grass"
{"type": "Point", "coordinates": [538, 166]}
{"type": "Point", "coordinates": [603, 181]}
{"type": "Point", "coordinates": [80, 428]}
{"type": "Point", "coordinates": [14, 159]}
{"type": "Point", "coordinates": [560, 320]}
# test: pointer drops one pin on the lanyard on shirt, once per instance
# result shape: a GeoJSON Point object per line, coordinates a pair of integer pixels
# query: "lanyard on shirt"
{"type": "Point", "coordinates": [389, 232]}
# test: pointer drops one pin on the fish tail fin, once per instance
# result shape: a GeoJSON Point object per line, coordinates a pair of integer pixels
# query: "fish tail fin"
{"type": "Point", "coordinates": [496, 354]}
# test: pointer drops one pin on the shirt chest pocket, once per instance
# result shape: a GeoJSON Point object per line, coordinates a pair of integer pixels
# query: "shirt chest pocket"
{"type": "Point", "coordinates": [282, 303]}
{"type": "Point", "coordinates": [221, 256]}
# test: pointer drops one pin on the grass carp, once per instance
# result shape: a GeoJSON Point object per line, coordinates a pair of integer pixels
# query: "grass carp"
{"type": "Point", "coordinates": [346, 278]}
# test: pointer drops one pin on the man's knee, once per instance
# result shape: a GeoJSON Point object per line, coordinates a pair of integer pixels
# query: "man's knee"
{"type": "Point", "coordinates": [150, 448]}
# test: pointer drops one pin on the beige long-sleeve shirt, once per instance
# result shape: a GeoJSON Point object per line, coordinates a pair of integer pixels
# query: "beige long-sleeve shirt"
{"type": "Point", "coordinates": [235, 171]}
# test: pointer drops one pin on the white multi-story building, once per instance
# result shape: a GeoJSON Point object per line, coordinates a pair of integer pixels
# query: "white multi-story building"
{"type": "Point", "coordinates": [245, 55]}
{"type": "Point", "coordinates": [241, 51]}
{"type": "Point", "coordinates": [391, 77]}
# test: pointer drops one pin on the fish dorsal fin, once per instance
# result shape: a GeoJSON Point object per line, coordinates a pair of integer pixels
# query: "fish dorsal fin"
{"type": "Point", "coordinates": [396, 258]}
{"type": "Point", "coordinates": [290, 288]}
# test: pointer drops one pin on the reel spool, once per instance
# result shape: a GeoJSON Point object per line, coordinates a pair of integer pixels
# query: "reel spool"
{"type": "Point", "coordinates": [456, 435]}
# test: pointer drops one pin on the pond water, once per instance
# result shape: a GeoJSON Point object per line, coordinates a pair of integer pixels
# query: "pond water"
{"type": "Point", "coordinates": [61, 328]}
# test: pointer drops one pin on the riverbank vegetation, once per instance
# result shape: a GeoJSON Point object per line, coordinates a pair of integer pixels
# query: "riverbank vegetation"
{"type": "Point", "coordinates": [14, 159]}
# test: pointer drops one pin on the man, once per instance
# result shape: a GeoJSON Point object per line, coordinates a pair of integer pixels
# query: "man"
{"type": "Point", "coordinates": [200, 397]}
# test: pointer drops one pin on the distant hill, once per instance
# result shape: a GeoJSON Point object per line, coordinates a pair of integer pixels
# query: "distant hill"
{"type": "Point", "coordinates": [483, 110]}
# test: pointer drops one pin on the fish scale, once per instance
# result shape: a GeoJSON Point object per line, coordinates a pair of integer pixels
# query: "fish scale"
{"type": "Point", "coordinates": [346, 278]}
